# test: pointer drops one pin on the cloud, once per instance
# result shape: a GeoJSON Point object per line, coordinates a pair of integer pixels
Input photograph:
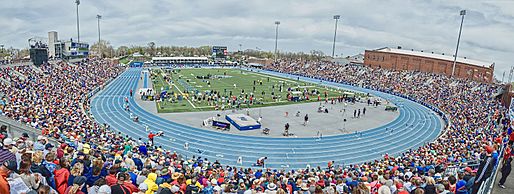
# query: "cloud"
{"type": "Point", "coordinates": [305, 25]}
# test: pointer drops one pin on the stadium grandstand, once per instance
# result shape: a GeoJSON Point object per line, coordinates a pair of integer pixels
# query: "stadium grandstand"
{"type": "Point", "coordinates": [78, 123]}
{"type": "Point", "coordinates": [180, 60]}
{"type": "Point", "coordinates": [65, 149]}
{"type": "Point", "coordinates": [411, 60]}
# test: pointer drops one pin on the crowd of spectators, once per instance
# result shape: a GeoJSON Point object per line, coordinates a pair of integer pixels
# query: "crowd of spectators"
{"type": "Point", "coordinates": [92, 158]}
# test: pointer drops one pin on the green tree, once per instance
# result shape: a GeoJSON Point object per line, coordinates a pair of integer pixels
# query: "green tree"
{"type": "Point", "coordinates": [151, 48]}
{"type": "Point", "coordinates": [103, 49]}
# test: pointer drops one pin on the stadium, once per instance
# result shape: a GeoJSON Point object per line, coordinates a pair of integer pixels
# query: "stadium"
{"type": "Point", "coordinates": [155, 120]}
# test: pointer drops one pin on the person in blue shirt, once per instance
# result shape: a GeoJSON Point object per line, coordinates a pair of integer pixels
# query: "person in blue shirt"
{"type": "Point", "coordinates": [258, 174]}
{"type": "Point", "coordinates": [460, 187]}
{"type": "Point", "coordinates": [143, 150]}
{"type": "Point", "coordinates": [137, 161]}
{"type": "Point", "coordinates": [133, 177]}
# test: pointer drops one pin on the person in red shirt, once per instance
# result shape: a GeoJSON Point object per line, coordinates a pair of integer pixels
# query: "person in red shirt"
{"type": "Point", "coordinates": [111, 178]}
{"type": "Point", "coordinates": [62, 174]}
{"type": "Point", "coordinates": [120, 185]}
{"type": "Point", "coordinates": [5, 170]}
{"type": "Point", "coordinates": [330, 163]}
{"type": "Point", "coordinates": [128, 184]}
{"type": "Point", "coordinates": [151, 136]}
{"type": "Point", "coordinates": [508, 153]}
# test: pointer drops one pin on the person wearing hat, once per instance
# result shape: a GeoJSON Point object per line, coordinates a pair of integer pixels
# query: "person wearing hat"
{"type": "Point", "coordinates": [24, 136]}
{"type": "Point", "coordinates": [271, 188]}
{"type": "Point", "coordinates": [194, 187]}
{"type": "Point", "coordinates": [78, 183]}
{"type": "Point", "coordinates": [257, 184]}
{"type": "Point", "coordinates": [305, 189]}
{"type": "Point", "coordinates": [6, 169]}
{"type": "Point", "coordinates": [400, 189]}
{"type": "Point", "coordinates": [485, 168]}
{"type": "Point", "coordinates": [120, 187]}
{"type": "Point", "coordinates": [142, 189]}
{"type": "Point", "coordinates": [469, 177]}
{"type": "Point", "coordinates": [5, 151]}
{"type": "Point", "coordinates": [165, 188]}
{"type": "Point", "coordinates": [150, 181]}
{"type": "Point", "coordinates": [40, 144]}
{"type": "Point", "coordinates": [48, 148]}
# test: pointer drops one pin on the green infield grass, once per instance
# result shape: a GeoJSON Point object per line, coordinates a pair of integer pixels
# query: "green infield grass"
{"type": "Point", "coordinates": [192, 90]}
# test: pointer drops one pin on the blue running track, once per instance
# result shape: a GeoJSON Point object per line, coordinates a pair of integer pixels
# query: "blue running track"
{"type": "Point", "coordinates": [415, 126]}
{"type": "Point", "coordinates": [145, 80]}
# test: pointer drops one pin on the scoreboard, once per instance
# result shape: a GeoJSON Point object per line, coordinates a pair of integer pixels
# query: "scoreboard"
{"type": "Point", "coordinates": [219, 52]}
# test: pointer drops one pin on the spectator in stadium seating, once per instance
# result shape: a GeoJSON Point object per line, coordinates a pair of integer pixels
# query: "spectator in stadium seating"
{"type": "Point", "coordinates": [76, 171]}
{"type": "Point", "coordinates": [119, 186]}
{"type": "Point", "coordinates": [111, 179]}
{"type": "Point", "coordinates": [465, 107]}
{"type": "Point", "coordinates": [485, 168]}
{"type": "Point", "coordinates": [460, 187]}
{"type": "Point", "coordinates": [505, 170]}
{"type": "Point", "coordinates": [6, 169]}
{"type": "Point", "coordinates": [31, 180]}
{"type": "Point", "coordinates": [5, 152]}
{"type": "Point", "coordinates": [150, 182]}
{"type": "Point", "coordinates": [76, 187]}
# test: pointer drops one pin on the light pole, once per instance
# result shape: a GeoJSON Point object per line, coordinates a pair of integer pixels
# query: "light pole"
{"type": "Point", "coordinates": [78, 28]}
{"type": "Point", "coordinates": [98, 17]}
{"type": "Point", "coordinates": [336, 17]}
{"type": "Point", "coordinates": [276, 39]}
{"type": "Point", "coordinates": [462, 13]}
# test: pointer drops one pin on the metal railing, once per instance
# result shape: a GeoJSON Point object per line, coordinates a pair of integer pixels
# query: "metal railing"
{"type": "Point", "coordinates": [16, 129]}
{"type": "Point", "coordinates": [488, 185]}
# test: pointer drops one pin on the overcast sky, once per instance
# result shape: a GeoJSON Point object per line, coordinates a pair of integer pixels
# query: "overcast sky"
{"type": "Point", "coordinates": [429, 25]}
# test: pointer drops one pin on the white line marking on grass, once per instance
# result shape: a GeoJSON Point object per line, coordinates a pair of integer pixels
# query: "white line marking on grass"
{"type": "Point", "coordinates": [179, 91]}
{"type": "Point", "coordinates": [288, 80]}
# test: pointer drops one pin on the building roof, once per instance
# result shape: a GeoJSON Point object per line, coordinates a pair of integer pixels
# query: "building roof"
{"type": "Point", "coordinates": [179, 58]}
{"type": "Point", "coordinates": [435, 56]}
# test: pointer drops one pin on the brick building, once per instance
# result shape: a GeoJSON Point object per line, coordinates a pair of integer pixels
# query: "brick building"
{"type": "Point", "coordinates": [410, 60]}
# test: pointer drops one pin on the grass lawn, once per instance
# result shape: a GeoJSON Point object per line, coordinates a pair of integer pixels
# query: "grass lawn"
{"type": "Point", "coordinates": [185, 89]}
{"type": "Point", "coordinates": [124, 60]}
